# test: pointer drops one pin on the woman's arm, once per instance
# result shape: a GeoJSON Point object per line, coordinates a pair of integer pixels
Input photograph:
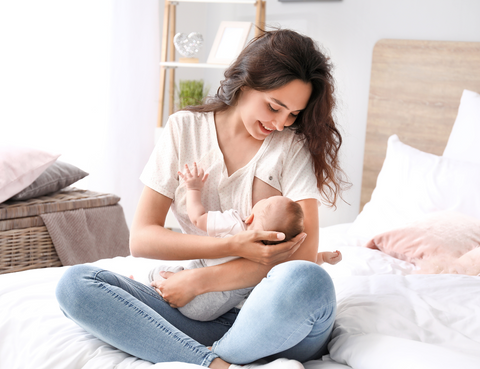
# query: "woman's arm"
{"type": "Point", "coordinates": [182, 287]}
{"type": "Point", "coordinates": [149, 238]}
{"type": "Point", "coordinates": [241, 273]}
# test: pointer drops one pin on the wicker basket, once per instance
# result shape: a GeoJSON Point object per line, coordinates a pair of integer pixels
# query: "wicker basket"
{"type": "Point", "coordinates": [24, 240]}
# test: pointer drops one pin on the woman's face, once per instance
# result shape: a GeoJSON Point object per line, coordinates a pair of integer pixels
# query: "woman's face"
{"type": "Point", "coordinates": [263, 112]}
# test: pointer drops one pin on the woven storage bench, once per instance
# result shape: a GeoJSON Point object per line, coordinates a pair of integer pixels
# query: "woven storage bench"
{"type": "Point", "coordinates": [24, 239]}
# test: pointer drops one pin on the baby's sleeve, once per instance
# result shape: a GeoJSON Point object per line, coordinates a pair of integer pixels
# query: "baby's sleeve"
{"type": "Point", "coordinates": [160, 172]}
{"type": "Point", "coordinates": [222, 224]}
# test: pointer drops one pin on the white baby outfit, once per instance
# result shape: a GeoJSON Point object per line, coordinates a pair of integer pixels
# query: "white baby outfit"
{"type": "Point", "coordinates": [223, 224]}
{"type": "Point", "coordinates": [211, 305]}
{"type": "Point", "coordinates": [283, 162]}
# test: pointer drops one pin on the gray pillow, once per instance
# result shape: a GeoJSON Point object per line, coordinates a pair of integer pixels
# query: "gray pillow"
{"type": "Point", "coordinates": [57, 176]}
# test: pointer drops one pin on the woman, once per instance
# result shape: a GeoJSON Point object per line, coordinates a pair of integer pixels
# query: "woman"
{"type": "Point", "coordinates": [268, 131]}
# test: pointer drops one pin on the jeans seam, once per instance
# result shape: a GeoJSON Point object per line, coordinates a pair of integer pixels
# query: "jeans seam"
{"type": "Point", "coordinates": [208, 359]}
{"type": "Point", "coordinates": [142, 287]}
{"type": "Point", "coordinates": [151, 319]}
{"type": "Point", "coordinates": [226, 324]}
{"type": "Point", "coordinates": [215, 344]}
{"type": "Point", "coordinates": [153, 294]}
{"type": "Point", "coordinates": [300, 325]}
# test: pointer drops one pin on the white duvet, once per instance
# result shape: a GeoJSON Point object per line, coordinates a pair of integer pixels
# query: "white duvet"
{"type": "Point", "coordinates": [387, 318]}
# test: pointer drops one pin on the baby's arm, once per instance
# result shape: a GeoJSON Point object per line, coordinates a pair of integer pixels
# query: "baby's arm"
{"type": "Point", "coordinates": [329, 257]}
{"type": "Point", "coordinates": [194, 181]}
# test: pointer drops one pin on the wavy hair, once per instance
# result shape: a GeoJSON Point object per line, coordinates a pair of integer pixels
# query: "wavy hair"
{"type": "Point", "coordinates": [269, 62]}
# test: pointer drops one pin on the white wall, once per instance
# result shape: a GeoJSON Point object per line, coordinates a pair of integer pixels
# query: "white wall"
{"type": "Point", "coordinates": [80, 77]}
{"type": "Point", "coordinates": [348, 30]}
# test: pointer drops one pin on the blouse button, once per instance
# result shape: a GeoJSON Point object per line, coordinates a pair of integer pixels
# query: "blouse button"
{"type": "Point", "coordinates": [270, 178]}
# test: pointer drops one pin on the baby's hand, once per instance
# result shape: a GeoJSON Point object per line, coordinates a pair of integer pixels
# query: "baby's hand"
{"type": "Point", "coordinates": [332, 257]}
{"type": "Point", "coordinates": [194, 179]}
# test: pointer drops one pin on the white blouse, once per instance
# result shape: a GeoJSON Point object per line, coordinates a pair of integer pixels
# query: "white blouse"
{"type": "Point", "coordinates": [283, 161]}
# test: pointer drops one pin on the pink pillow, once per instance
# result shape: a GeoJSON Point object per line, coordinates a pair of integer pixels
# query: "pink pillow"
{"type": "Point", "coordinates": [446, 234]}
{"type": "Point", "coordinates": [468, 263]}
{"type": "Point", "coordinates": [19, 167]}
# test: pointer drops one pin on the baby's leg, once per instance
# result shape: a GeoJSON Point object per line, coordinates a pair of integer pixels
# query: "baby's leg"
{"type": "Point", "coordinates": [211, 305]}
{"type": "Point", "coordinates": [154, 274]}
{"type": "Point", "coordinates": [208, 306]}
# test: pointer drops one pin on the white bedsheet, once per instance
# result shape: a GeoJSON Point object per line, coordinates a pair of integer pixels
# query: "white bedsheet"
{"type": "Point", "coordinates": [389, 318]}
{"type": "Point", "coordinates": [386, 317]}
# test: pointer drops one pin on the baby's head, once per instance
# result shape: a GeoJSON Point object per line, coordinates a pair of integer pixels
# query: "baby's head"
{"type": "Point", "coordinates": [279, 214]}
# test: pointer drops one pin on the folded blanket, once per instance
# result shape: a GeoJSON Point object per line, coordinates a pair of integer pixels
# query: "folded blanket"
{"type": "Point", "coordinates": [86, 235]}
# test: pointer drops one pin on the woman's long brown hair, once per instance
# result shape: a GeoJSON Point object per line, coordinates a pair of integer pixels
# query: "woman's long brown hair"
{"type": "Point", "coordinates": [272, 60]}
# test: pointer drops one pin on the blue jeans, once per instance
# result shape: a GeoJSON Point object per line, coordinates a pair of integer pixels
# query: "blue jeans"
{"type": "Point", "coordinates": [289, 314]}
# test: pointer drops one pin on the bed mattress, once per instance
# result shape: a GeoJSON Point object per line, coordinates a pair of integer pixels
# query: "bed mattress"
{"type": "Point", "coordinates": [387, 317]}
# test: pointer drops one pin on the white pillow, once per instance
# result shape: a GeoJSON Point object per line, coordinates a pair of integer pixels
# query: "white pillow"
{"type": "Point", "coordinates": [463, 143]}
{"type": "Point", "coordinates": [413, 183]}
{"type": "Point", "coordinates": [19, 167]}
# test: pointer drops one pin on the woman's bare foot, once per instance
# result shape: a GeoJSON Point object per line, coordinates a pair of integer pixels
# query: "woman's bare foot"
{"type": "Point", "coordinates": [219, 364]}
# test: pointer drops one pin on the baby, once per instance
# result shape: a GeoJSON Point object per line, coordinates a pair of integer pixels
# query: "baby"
{"type": "Point", "coordinates": [276, 213]}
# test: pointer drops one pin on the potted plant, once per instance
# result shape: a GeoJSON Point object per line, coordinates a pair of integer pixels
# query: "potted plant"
{"type": "Point", "coordinates": [191, 92]}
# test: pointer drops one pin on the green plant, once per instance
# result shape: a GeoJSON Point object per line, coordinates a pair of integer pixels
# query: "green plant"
{"type": "Point", "coordinates": [191, 92]}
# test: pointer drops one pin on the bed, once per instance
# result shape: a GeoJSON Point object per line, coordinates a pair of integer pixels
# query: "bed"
{"type": "Point", "coordinates": [404, 301]}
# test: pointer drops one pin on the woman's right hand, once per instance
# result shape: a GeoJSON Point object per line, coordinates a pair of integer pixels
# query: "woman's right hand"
{"type": "Point", "coordinates": [249, 245]}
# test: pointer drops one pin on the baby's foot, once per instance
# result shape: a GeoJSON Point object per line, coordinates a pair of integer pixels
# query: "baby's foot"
{"type": "Point", "coordinates": [277, 364]}
{"type": "Point", "coordinates": [154, 274]}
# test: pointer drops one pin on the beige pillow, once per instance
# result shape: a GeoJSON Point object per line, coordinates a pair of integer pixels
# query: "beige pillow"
{"type": "Point", "coordinates": [19, 167]}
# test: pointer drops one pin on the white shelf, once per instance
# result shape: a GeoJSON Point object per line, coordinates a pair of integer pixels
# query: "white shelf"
{"type": "Point", "coordinates": [193, 65]}
{"type": "Point", "coordinates": [216, 1]}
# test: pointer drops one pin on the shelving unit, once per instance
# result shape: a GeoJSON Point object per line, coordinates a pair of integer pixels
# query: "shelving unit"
{"type": "Point", "coordinates": [168, 48]}
{"type": "Point", "coordinates": [168, 65]}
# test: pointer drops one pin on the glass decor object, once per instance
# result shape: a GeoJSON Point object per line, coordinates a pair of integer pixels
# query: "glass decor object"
{"type": "Point", "coordinates": [188, 45]}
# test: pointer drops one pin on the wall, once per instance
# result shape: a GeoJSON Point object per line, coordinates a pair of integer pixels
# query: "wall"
{"type": "Point", "coordinates": [348, 31]}
{"type": "Point", "coordinates": [80, 77]}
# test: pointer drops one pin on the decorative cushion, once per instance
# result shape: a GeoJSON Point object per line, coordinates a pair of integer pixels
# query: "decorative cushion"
{"type": "Point", "coordinates": [444, 233]}
{"type": "Point", "coordinates": [56, 177]}
{"type": "Point", "coordinates": [19, 167]}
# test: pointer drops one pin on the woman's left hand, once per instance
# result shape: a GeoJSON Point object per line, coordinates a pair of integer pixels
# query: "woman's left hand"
{"type": "Point", "coordinates": [177, 289]}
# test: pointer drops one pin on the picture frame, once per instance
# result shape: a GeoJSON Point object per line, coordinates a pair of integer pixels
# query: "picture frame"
{"type": "Point", "coordinates": [229, 42]}
{"type": "Point", "coordinates": [304, 1]}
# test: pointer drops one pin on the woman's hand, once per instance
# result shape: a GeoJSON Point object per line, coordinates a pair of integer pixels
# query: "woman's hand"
{"type": "Point", "coordinates": [249, 245]}
{"type": "Point", "coordinates": [177, 289]}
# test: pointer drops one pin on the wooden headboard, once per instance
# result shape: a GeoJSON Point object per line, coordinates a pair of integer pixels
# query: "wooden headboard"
{"type": "Point", "coordinates": [415, 91]}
